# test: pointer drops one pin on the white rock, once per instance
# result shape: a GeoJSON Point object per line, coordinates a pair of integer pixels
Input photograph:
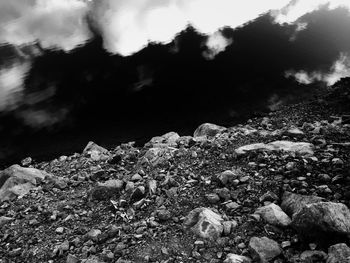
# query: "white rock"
{"type": "Point", "coordinates": [208, 130]}
{"type": "Point", "coordinates": [204, 223]}
{"type": "Point", "coordinates": [274, 215]}
{"type": "Point", "coordinates": [302, 148]}
{"type": "Point", "coordinates": [233, 258]}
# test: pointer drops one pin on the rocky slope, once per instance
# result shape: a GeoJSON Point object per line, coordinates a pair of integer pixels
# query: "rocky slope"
{"type": "Point", "coordinates": [276, 189]}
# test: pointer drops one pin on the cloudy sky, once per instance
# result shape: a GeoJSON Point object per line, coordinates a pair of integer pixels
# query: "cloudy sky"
{"type": "Point", "coordinates": [128, 26]}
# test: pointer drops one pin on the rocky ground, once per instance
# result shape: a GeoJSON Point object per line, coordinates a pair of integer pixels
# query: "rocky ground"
{"type": "Point", "coordinates": [276, 189]}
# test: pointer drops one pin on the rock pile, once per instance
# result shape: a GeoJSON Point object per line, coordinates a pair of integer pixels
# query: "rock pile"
{"type": "Point", "coordinates": [276, 189]}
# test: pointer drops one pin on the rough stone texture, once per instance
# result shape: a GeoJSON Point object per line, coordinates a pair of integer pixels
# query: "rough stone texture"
{"type": "Point", "coordinates": [18, 181]}
{"type": "Point", "coordinates": [168, 139]}
{"type": "Point", "coordinates": [208, 129]}
{"type": "Point", "coordinates": [293, 203]}
{"type": "Point", "coordinates": [204, 223]}
{"type": "Point", "coordinates": [313, 256]}
{"type": "Point", "coordinates": [233, 258]}
{"type": "Point", "coordinates": [264, 249]}
{"type": "Point", "coordinates": [4, 220]}
{"type": "Point", "coordinates": [115, 184]}
{"type": "Point", "coordinates": [322, 218]}
{"type": "Point", "coordinates": [274, 215]}
{"type": "Point", "coordinates": [302, 148]}
{"type": "Point", "coordinates": [339, 253]}
{"type": "Point", "coordinates": [96, 152]}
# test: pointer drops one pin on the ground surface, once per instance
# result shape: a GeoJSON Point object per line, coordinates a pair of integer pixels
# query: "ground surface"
{"type": "Point", "coordinates": [54, 222]}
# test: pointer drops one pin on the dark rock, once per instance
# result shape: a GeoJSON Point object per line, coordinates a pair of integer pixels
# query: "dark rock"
{"type": "Point", "coordinates": [293, 203]}
{"type": "Point", "coordinates": [208, 129]}
{"type": "Point", "coordinates": [339, 253]}
{"type": "Point", "coordinates": [264, 249]}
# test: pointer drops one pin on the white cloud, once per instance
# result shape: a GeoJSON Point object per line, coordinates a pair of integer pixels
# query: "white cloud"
{"type": "Point", "coordinates": [128, 26]}
{"type": "Point", "coordinates": [298, 8]}
{"type": "Point", "coordinates": [11, 85]}
{"type": "Point", "coordinates": [340, 69]}
{"type": "Point", "coordinates": [54, 23]}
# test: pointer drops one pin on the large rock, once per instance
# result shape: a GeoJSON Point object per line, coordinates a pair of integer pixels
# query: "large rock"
{"type": "Point", "coordinates": [233, 258]}
{"type": "Point", "coordinates": [264, 249]}
{"type": "Point", "coordinates": [293, 203]}
{"type": "Point", "coordinates": [168, 139]}
{"type": "Point", "coordinates": [204, 223]}
{"type": "Point", "coordinates": [158, 155]}
{"type": "Point", "coordinates": [96, 152]}
{"type": "Point", "coordinates": [274, 215]}
{"type": "Point", "coordinates": [324, 219]}
{"type": "Point", "coordinates": [302, 148]}
{"type": "Point", "coordinates": [18, 181]}
{"type": "Point", "coordinates": [339, 253]}
{"type": "Point", "coordinates": [208, 130]}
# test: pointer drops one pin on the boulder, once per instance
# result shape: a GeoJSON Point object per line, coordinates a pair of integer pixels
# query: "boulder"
{"type": "Point", "coordinates": [168, 139]}
{"type": "Point", "coordinates": [158, 155]}
{"type": "Point", "coordinates": [208, 130]}
{"type": "Point", "coordinates": [18, 181]}
{"type": "Point", "coordinates": [293, 203]}
{"type": "Point", "coordinates": [313, 256]}
{"type": "Point", "coordinates": [322, 219]}
{"type": "Point", "coordinates": [96, 152]}
{"type": "Point", "coordinates": [204, 223]}
{"type": "Point", "coordinates": [228, 176]}
{"type": "Point", "coordinates": [264, 249]}
{"type": "Point", "coordinates": [339, 253]}
{"type": "Point", "coordinates": [233, 258]}
{"type": "Point", "coordinates": [302, 148]}
{"type": "Point", "coordinates": [113, 183]}
{"type": "Point", "coordinates": [274, 215]}
{"type": "Point", "coordinates": [4, 220]}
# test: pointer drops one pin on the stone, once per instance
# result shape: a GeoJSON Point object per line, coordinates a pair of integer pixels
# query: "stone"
{"type": "Point", "coordinates": [302, 148]}
{"type": "Point", "coordinates": [93, 259]}
{"type": "Point", "coordinates": [293, 203]}
{"type": "Point", "coordinates": [26, 161]}
{"type": "Point", "coordinates": [136, 177]}
{"type": "Point", "coordinates": [268, 196]}
{"type": "Point", "coordinates": [339, 253]}
{"type": "Point", "coordinates": [4, 220]}
{"type": "Point", "coordinates": [294, 132]}
{"type": "Point", "coordinates": [113, 184]}
{"type": "Point", "coordinates": [233, 258]}
{"type": "Point", "coordinates": [274, 215]}
{"type": "Point", "coordinates": [229, 226]}
{"type": "Point", "coordinates": [18, 181]}
{"type": "Point", "coordinates": [59, 230]}
{"type": "Point", "coordinates": [313, 256]}
{"type": "Point", "coordinates": [138, 194]}
{"type": "Point", "coordinates": [93, 234]}
{"type": "Point", "coordinates": [208, 130]}
{"type": "Point", "coordinates": [323, 218]}
{"type": "Point", "coordinates": [91, 146]}
{"type": "Point", "coordinates": [163, 214]}
{"type": "Point", "coordinates": [228, 176]}
{"type": "Point", "coordinates": [168, 139]}
{"type": "Point", "coordinates": [158, 155]}
{"type": "Point", "coordinates": [204, 223]}
{"type": "Point", "coordinates": [72, 259]}
{"type": "Point", "coordinates": [213, 198]}
{"type": "Point", "coordinates": [264, 249]}
{"type": "Point", "coordinates": [152, 186]}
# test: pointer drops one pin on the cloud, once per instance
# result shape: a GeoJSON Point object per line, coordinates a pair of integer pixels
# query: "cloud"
{"type": "Point", "coordinates": [128, 26]}
{"type": "Point", "coordinates": [11, 85]}
{"type": "Point", "coordinates": [298, 8]}
{"type": "Point", "coordinates": [53, 23]}
{"type": "Point", "coordinates": [340, 69]}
